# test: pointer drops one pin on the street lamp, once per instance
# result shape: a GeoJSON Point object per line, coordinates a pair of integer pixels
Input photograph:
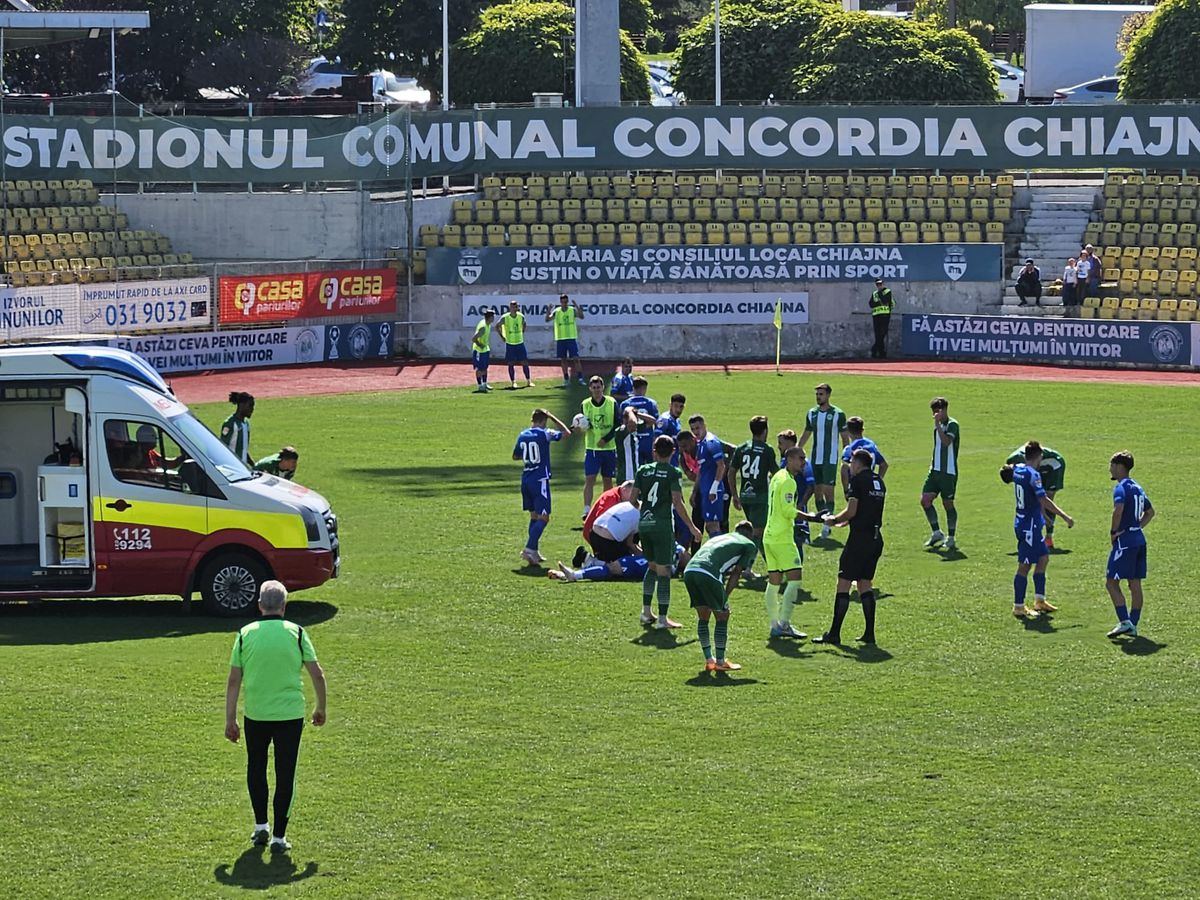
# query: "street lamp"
{"type": "Point", "coordinates": [445, 55]}
{"type": "Point", "coordinates": [717, 47]}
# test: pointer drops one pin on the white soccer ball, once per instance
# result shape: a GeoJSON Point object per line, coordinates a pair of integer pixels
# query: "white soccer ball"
{"type": "Point", "coordinates": [581, 422]}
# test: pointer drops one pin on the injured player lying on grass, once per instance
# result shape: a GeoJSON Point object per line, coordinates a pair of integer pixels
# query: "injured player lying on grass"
{"type": "Point", "coordinates": [627, 568]}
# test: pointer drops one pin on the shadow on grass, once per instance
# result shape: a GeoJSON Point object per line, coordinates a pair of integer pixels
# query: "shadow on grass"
{"type": "Point", "coordinates": [1140, 646]}
{"type": "Point", "coordinates": [257, 869]}
{"type": "Point", "coordinates": [949, 555]}
{"type": "Point", "coordinates": [865, 653]}
{"type": "Point", "coordinates": [1058, 551]}
{"type": "Point", "coordinates": [538, 571]}
{"type": "Point", "coordinates": [100, 621]}
{"type": "Point", "coordinates": [719, 679]}
{"type": "Point", "coordinates": [789, 648]}
{"type": "Point", "coordinates": [661, 639]}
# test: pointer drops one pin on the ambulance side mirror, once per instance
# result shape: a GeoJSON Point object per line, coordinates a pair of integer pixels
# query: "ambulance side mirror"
{"type": "Point", "coordinates": [74, 401]}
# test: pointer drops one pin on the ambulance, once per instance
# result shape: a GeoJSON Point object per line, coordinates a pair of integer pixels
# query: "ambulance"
{"type": "Point", "coordinates": [109, 487]}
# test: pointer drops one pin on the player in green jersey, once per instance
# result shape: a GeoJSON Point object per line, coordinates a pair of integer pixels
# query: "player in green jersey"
{"type": "Point", "coordinates": [282, 464]}
{"type": "Point", "coordinates": [943, 474]}
{"type": "Point", "coordinates": [710, 578]}
{"type": "Point", "coordinates": [826, 425]}
{"type": "Point", "coordinates": [481, 351]}
{"type": "Point", "coordinates": [755, 462]}
{"type": "Point", "coordinates": [780, 548]}
{"type": "Point", "coordinates": [235, 431]}
{"type": "Point", "coordinates": [1053, 469]}
{"type": "Point", "coordinates": [566, 336]}
{"type": "Point", "coordinates": [660, 487]}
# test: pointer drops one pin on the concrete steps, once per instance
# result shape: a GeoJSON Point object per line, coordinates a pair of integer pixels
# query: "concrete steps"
{"type": "Point", "coordinates": [1053, 233]}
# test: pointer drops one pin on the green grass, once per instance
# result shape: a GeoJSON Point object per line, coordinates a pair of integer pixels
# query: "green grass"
{"type": "Point", "coordinates": [496, 734]}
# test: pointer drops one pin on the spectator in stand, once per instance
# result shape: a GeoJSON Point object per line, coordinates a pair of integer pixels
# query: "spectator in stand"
{"type": "Point", "coordinates": [1095, 273]}
{"type": "Point", "coordinates": [1083, 271]}
{"type": "Point", "coordinates": [1068, 294]}
{"type": "Point", "coordinates": [1029, 284]}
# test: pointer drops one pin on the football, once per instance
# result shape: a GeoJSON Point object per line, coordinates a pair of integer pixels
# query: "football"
{"type": "Point", "coordinates": [581, 422]}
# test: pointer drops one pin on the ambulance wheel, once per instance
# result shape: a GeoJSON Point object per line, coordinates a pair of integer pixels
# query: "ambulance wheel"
{"type": "Point", "coordinates": [229, 584]}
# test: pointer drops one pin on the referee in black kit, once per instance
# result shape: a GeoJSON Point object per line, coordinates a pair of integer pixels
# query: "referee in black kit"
{"type": "Point", "coordinates": [864, 513]}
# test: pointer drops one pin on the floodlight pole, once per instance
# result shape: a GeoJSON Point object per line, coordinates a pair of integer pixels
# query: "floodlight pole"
{"type": "Point", "coordinates": [717, 48]}
{"type": "Point", "coordinates": [445, 55]}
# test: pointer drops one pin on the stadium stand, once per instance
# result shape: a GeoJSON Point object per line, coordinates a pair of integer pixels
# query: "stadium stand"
{"type": "Point", "coordinates": [57, 232]}
{"type": "Point", "coordinates": [1146, 234]}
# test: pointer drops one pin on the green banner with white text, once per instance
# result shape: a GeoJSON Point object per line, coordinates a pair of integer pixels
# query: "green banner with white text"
{"type": "Point", "coordinates": [339, 148]}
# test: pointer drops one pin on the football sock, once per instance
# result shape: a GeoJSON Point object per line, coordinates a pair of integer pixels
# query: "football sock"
{"type": "Point", "coordinates": [525, 369]}
{"type": "Point", "coordinates": [721, 636]}
{"type": "Point", "coordinates": [664, 594]}
{"type": "Point", "coordinates": [705, 642]}
{"type": "Point", "coordinates": [868, 605]}
{"type": "Point", "coordinates": [648, 586]}
{"type": "Point", "coordinates": [536, 527]}
{"type": "Point", "coordinates": [771, 596]}
{"type": "Point", "coordinates": [261, 826]}
{"type": "Point", "coordinates": [1122, 612]}
{"type": "Point", "coordinates": [841, 605]}
{"type": "Point", "coordinates": [1039, 585]}
{"type": "Point", "coordinates": [478, 377]}
{"type": "Point", "coordinates": [951, 521]}
{"type": "Point", "coordinates": [1050, 517]}
{"type": "Point", "coordinates": [512, 373]}
{"type": "Point", "coordinates": [931, 515]}
{"type": "Point", "coordinates": [1135, 614]}
{"type": "Point", "coordinates": [1020, 584]}
{"type": "Point", "coordinates": [594, 573]}
{"type": "Point", "coordinates": [788, 602]}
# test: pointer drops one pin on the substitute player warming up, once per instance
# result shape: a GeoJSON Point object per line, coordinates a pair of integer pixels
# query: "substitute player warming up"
{"type": "Point", "coordinates": [710, 578]}
{"type": "Point", "coordinates": [1127, 559]}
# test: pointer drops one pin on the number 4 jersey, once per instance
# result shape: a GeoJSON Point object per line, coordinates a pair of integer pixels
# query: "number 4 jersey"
{"type": "Point", "coordinates": [656, 482]}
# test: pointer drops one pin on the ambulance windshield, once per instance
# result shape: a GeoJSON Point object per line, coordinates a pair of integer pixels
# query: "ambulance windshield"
{"type": "Point", "coordinates": [210, 447]}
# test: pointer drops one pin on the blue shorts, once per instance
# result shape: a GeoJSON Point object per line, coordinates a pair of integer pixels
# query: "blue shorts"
{"type": "Point", "coordinates": [480, 360]}
{"type": "Point", "coordinates": [535, 495]}
{"type": "Point", "coordinates": [712, 510]}
{"type": "Point", "coordinates": [1031, 546]}
{"type": "Point", "coordinates": [600, 462]}
{"type": "Point", "coordinates": [515, 353]}
{"type": "Point", "coordinates": [1126, 563]}
{"type": "Point", "coordinates": [568, 349]}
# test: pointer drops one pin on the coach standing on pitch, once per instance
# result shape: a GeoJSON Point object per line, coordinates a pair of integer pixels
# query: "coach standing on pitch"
{"type": "Point", "coordinates": [267, 658]}
{"type": "Point", "coordinates": [882, 304]}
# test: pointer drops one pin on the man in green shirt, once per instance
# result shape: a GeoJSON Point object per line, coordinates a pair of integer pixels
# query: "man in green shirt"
{"type": "Point", "coordinates": [1053, 469]}
{"type": "Point", "coordinates": [783, 554]}
{"type": "Point", "coordinates": [826, 424]}
{"type": "Point", "coordinates": [566, 336]}
{"type": "Point", "coordinates": [282, 464]}
{"type": "Point", "coordinates": [754, 461]}
{"type": "Point", "coordinates": [511, 328]}
{"type": "Point", "coordinates": [710, 578]}
{"type": "Point", "coordinates": [660, 487]}
{"type": "Point", "coordinates": [481, 351]}
{"type": "Point", "coordinates": [266, 660]}
{"type": "Point", "coordinates": [943, 474]}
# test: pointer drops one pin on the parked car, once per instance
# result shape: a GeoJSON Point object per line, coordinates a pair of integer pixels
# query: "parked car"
{"type": "Point", "coordinates": [662, 88]}
{"type": "Point", "coordinates": [323, 77]}
{"type": "Point", "coordinates": [1011, 80]}
{"type": "Point", "coordinates": [1098, 90]}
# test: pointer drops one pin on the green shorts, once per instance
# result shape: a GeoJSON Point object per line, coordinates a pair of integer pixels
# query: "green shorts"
{"type": "Point", "coordinates": [658, 546]}
{"type": "Point", "coordinates": [704, 590]}
{"type": "Point", "coordinates": [782, 554]}
{"type": "Point", "coordinates": [825, 473]}
{"type": "Point", "coordinates": [1053, 481]}
{"type": "Point", "coordinates": [755, 512]}
{"type": "Point", "coordinates": [939, 483]}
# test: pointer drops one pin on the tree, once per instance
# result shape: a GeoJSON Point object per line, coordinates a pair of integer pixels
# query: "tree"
{"type": "Point", "coordinates": [1161, 63]}
{"type": "Point", "coordinates": [156, 62]}
{"type": "Point", "coordinates": [635, 16]}
{"type": "Point", "coordinates": [1129, 30]}
{"type": "Point", "coordinates": [525, 47]}
{"type": "Point", "coordinates": [671, 17]}
{"type": "Point", "coordinates": [760, 49]}
{"type": "Point", "coordinates": [254, 64]}
{"type": "Point", "coordinates": [1002, 15]}
{"type": "Point", "coordinates": [860, 58]}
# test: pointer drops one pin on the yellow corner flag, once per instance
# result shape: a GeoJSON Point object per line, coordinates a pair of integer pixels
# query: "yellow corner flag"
{"type": "Point", "coordinates": [778, 331]}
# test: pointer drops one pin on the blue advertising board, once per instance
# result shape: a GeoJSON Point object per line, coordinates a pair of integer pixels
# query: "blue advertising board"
{"type": "Point", "coordinates": [362, 340]}
{"type": "Point", "coordinates": [1150, 343]}
{"type": "Point", "coordinates": [714, 263]}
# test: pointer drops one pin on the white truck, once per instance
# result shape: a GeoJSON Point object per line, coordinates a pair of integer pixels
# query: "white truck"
{"type": "Point", "coordinates": [1066, 44]}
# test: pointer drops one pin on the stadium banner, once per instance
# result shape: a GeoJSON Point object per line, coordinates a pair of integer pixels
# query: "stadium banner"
{"type": "Point", "coordinates": [401, 144]}
{"type": "Point", "coordinates": [248, 299]}
{"type": "Point", "coordinates": [236, 349]}
{"type": "Point", "coordinates": [100, 309]}
{"type": "Point", "coordinates": [651, 309]}
{"type": "Point", "coordinates": [361, 341]}
{"type": "Point", "coordinates": [1150, 343]}
{"type": "Point", "coordinates": [714, 264]}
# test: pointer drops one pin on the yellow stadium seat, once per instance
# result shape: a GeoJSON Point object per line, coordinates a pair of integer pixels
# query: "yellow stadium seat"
{"type": "Point", "coordinates": [627, 233]}
{"type": "Point", "coordinates": [1147, 281]}
{"type": "Point", "coordinates": [877, 186]}
{"type": "Point", "coordinates": [577, 187]}
{"type": "Point", "coordinates": [835, 185]}
{"type": "Point", "coordinates": [672, 233]}
{"type": "Point", "coordinates": [648, 233]}
{"type": "Point", "coordinates": [759, 235]}
{"type": "Point", "coordinates": [931, 233]}
{"type": "Point", "coordinates": [506, 212]}
{"type": "Point", "coordinates": [535, 187]}
{"type": "Point", "coordinates": [865, 233]}
{"type": "Point", "coordinates": [496, 236]}
{"type": "Point", "coordinates": [814, 186]}
{"type": "Point", "coordinates": [823, 232]}
{"type": "Point", "coordinates": [893, 209]}
{"type": "Point", "coordinates": [539, 235]}
{"type": "Point", "coordinates": [994, 232]}
{"type": "Point", "coordinates": [685, 185]}
{"type": "Point", "coordinates": [914, 210]}
{"type": "Point", "coordinates": [1186, 311]}
{"type": "Point", "coordinates": [956, 209]}
{"type": "Point", "coordinates": [1149, 257]}
{"type": "Point", "coordinates": [843, 232]}
{"type": "Point", "coordinates": [528, 211]}
{"type": "Point", "coordinates": [747, 210]}
{"type": "Point", "coordinates": [491, 187]}
{"type": "Point", "coordinates": [831, 209]}
{"type": "Point", "coordinates": [606, 234]}
{"type": "Point", "coordinates": [562, 235]}
{"type": "Point", "coordinates": [852, 209]}
{"type": "Point", "coordinates": [572, 211]}
{"type": "Point", "coordinates": [643, 186]}
{"type": "Point", "coordinates": [960, 186]}
{"type": "Point", "coordinates": [939, 186]}
{"type": "Point", "coordinates": [714, 233]}
{"type": "Point", "coordinates": [1091, 302]}
{"type": "Point", "coordinates": [593, 210]}
{"type": "Point", "coordinates": [873, 209]}
{"type": "Point", "coordinates": [802, 233]}
{"type": "Point", "coordinates": [550, 211]}
{"type": "Point", "coordinates": [637, 209]}
{"type": "Point", "coordinates": [614, 210]}
{"type": "Point", "coordinates": [918, 186]}
{"type": "Point", "coordinates": [1001, 209]}
{"type": "Point", "coordinates": [767, 209]}
{"type": "Point", "coordinates": [659, 209]}
{"type": "Point", "coordinates": [1168, 210]}
{"type": "Point", "coordinates": [514, 187]}
{"type": "Point", "coordinates": [518, 235]}
{"type": "Point", "coordinates": [702, 209]}
{"type": "Point", "coordinates": [979, 210]}
{"type": "Point", "coordinates": [751, 185]}
{"type": "Point", "coordinates": [1147, 307]}
{"type": "Point", "coordinates": [1127, 283]}
{"type": "Point", "coordinates": [428, 235]}
{"type": "Point", "coordinates": [707, 186]}
{"type": "Point", "coordinates": [789, 209]}
{"type": "Point", "coordinates": [452, 235]}
{"type": "Point", "coordinates": [972, 232]}
{"type": "Point", "coordinates": [772, 186]}
{"type": "Point", "coordinates": [693, 233]}
{"type": "Point", "coordinates": [729, 185]}
{"type": "Point", "coordinates": [664, 186]}
{"type": "Point", "coordinates": [856, 186]}
{"type": "Point", "coordinates": [951, 232]}
{"type": "Point", "coordinates": [738, 233]}
{"type": "Point", "coordinates": [556, 187]}
{"type": "Point", "coordinates": [793, 186]}
{"type": "Point", "coordinates": [462, 210]}
{"type": "Point", "coordinates": [810, 209]}
{"type": "Point", "coordinates": [622, 187]}
{"type": "Point", "coordinates": [889, 233]}
{"type": "Point", "coordinates": [781, 233]}
{"type": "Point", "coordinates": [723, 210]}
{"type": "Point", "coordinates": [935, 208]}
{"type": "Point", "coordinates": [909, 233]}
{"type": "Point", "coordinates": [981, 186]}
{"type": "Point", "coordinates": [599, 187]}
{"type": "Point", "coordinates": [1168, 234]}
{"type": "Point", "coordinates": [897, 186]}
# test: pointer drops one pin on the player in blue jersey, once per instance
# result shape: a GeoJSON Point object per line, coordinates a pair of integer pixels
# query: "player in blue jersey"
{"type": "Point", "coordinates": [621, 386]}
{"type": "Point", "coordinates": [628, 568]}
{"type": "Point", "coordinates": [710, 481]}
{"type": "Point", "coordinates": [854, 430]}
{"type": "Point", "coordinates": [1127, 559]}
{"type": "Point", "coordinates": [668, 423]}
{"type": "Point", "coordinates": [1030, 520]}
{"type": "Point", "coordinates": [533, 449]}
{"type": "Point", "coordinates": [806, 483]}
{"type": "Point", "coordinates": [639, 413]}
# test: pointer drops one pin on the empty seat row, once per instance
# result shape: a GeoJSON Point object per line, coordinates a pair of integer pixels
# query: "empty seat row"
{"type": "Point", "coordinates": [1181, 309]}
{"type": "Point", "coordinates": [1184, 210]}
{"type": "Point", "coordinates": [92, 269]}
{"type": "Point", "coordinates": [1150, 186]}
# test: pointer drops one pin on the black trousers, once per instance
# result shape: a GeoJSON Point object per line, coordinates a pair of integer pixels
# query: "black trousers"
{"type": "Point", "coordinates": [286, 737]}
{"type": "Point", "coordinates": [880, 324]}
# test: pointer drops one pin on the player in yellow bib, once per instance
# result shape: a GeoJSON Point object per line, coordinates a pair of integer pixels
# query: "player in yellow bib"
{"type": "Point", "coordinates": [780, 548]}
{"type": "Point", "coordinates": [566, 336]}
{"type": "Point", "coordinates": [511, 328]}
{"type": "Point", "coordinates": [599, 455]}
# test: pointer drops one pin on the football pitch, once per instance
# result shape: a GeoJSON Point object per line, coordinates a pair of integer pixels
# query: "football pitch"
{"type": "Point", "coordinates": [494, 733]}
